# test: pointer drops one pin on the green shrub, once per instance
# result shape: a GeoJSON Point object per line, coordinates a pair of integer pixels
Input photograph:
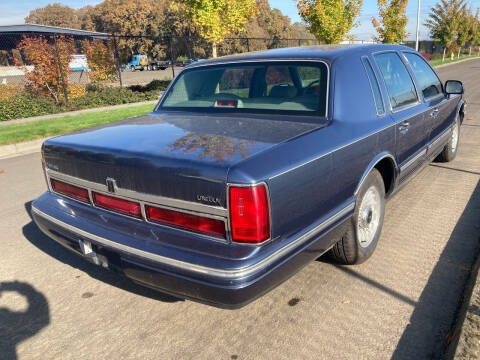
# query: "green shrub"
{"type": "Point", "coordinates": [110, 96]}
{"type": "Point", "coordinates": [25, 106]}
{"type": "Point", "coordinates": [154, 85]}
{"type": "Point", "coordinates": [157, 85]}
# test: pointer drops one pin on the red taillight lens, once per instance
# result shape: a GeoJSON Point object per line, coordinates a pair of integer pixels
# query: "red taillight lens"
{"type": "Point", "coordinates": [70, 190]}
{"type": "Point", "coordinates": [249, 214]}
{"type": "Point", "coordinates": [124, 206]}
{"type": "Point", "coordinates": [187, 221]}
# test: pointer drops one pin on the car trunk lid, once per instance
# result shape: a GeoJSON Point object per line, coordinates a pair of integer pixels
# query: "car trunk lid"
{"type": "Point", "coordinates": [177, 155]}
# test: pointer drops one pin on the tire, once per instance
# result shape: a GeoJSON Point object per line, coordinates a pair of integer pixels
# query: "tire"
{"type": "Point", "coordinates": [450, 150]}
{"type": "Point", "coordinates": [359, 242]}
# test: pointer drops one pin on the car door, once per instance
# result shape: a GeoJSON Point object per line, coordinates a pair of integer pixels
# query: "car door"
{"type": "Point", "coordinates": [441, 108]}
{"type": "Point", "coordinates": [406, 110]}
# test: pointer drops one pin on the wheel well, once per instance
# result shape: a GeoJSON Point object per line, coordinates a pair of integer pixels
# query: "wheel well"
{"type": "Point", "coordinates": [386, 168]}
{"type": "Point", "coordinates": [462, 113]}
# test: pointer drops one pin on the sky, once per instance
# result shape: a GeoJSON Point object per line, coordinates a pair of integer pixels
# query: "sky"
{"type": "Point", "coordinates": [14, 11]}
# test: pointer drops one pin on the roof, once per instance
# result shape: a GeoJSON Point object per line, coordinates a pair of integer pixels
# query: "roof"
{"type": "Point", "coordinates": [44, 29]}
{"type": "Point", "coordinates": [324, 52]}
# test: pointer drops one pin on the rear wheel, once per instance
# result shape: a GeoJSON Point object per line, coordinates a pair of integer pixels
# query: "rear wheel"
{"type": "Point", "coordinates": [450, 150]}
{"type": "Point", "coordinates": [360, 241]}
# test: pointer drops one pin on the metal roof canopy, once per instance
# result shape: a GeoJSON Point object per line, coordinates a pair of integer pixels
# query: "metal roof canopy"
{"type": "Point", "coordinates": [48, 30]}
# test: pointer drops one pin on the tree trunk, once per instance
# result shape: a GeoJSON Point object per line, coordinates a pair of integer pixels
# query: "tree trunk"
{"type": "Point", "coordinates": [214, 49]}
{"type": "Point", "coordinates": [444, 52]}
{"type": "Point", "coordinates": [470, 51]}
{"type": "Point", "coordinates": [458, 54]}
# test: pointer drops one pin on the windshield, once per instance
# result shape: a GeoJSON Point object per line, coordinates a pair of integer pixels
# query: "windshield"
{"type": "Point", "coordinates": [280, 87]}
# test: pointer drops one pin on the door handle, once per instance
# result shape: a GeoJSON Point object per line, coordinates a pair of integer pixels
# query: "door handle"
{"type": "Point", "coordinates": [404, 126]}
{"type": "Point", "coordinates": [434, 113]}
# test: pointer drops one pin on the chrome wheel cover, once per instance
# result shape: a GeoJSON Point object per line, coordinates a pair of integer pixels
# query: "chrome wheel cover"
{"type": "Point", "coordinates": [455, 135]}
{"type": "Point", "coordinates": [369, 216]}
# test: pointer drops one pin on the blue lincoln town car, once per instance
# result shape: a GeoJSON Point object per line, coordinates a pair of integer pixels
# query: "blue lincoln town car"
{"type": "Point", "coordinates": [250, 167]}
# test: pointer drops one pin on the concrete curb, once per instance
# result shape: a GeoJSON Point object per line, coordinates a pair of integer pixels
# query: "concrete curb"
{"type": "Point", "coordinates": [455, 62]}
{"type": "Point", "coordinates": [22, 148]}
{"type": "Point", "coordinates": [72, 113]}
{"type": "Point", "coordinates": [465, 343]}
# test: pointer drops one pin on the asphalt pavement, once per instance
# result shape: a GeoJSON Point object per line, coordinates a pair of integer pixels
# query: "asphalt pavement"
{"type": "Point", "coordinates": [401, 304]}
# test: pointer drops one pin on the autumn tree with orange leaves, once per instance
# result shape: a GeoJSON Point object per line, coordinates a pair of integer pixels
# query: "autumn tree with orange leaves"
{"type": "Point", "coordinates": [100, 61]}
{"type": "Point", "coordinates": [45, 77]}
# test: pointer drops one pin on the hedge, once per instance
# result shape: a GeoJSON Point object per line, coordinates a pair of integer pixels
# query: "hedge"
{"type": "Point", "coordinates": [27, 105]}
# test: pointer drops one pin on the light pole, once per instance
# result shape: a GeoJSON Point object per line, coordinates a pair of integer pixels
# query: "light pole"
{"type": "Point", "coordinates": [418, 24]}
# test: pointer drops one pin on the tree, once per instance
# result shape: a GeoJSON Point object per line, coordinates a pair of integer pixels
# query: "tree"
{"type": "Point", "coordinates": [45, 77]}
{"type": "Point", "coordinates": [463, 29]}
{"type": "Point", "coordinates": [443, 23]}
{"type": "Point", "coordinates": [473, 29]}
{"type": "Point", "coordinates": [218, 18]}
{"type": "Point", "coordinates": [329, 20]}
{"type": "Point", "coordinates": [391, 28]}
{"type": "Point", "coordinates": [54, 14]}
{"type": "Point", "coordinates": [100, 60]}
{"type": "Point", "coordinates": [132, 19]}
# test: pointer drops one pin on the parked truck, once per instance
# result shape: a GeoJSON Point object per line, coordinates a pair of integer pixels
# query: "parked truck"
{"type": "Point", "coordinates": [142, 62]}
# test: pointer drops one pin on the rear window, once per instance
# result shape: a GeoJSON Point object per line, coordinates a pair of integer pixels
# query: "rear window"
{"type": "Point", "coordinates": [259, 87]}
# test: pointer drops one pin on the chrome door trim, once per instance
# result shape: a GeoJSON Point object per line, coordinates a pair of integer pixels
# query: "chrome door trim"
{"type": "Point", "coordinates": [138, 196]}
{"type": "Point", "coordinates": [440, 137]}
{"type": "Point", "coordinates": [413, 159]}
{"type": "Point", "coordinates": [226, 274]}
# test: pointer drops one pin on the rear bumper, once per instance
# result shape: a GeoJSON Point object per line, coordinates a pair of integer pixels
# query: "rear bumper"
{"type": "Point", "coordinates": [126, 246]}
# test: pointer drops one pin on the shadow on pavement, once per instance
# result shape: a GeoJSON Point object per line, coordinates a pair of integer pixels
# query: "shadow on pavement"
{"type": "Point", "coordinates": [33, 234]}
{"type": "Point", "coordinates": [455, 169]}
{"type": "Point", "coordinates": [429, 330]}
{"type": "Point", "coordinates": [17, 326]}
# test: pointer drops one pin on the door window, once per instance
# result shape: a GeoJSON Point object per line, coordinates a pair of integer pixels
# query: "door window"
{"type": "Point", "coordinates": [426, 77]}
{"type": "Point", "coordinates": [377, 95]}
{"type": "Point", "coordinates": [401, 90]}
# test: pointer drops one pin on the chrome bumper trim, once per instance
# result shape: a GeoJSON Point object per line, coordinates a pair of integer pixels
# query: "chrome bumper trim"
{"type": "Point", "coordinates": [227, 274]}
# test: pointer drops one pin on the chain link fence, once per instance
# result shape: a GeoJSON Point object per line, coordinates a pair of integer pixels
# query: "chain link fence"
{"type": "Point", "coordinates": [68, 65]}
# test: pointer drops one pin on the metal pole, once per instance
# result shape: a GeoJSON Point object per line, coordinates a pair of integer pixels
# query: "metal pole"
{"type": "Point", "coordinates": [61, 70]}
{"type": "Point", "coordinates": [171, 57]}
{"type": "Point", "coordinates": [418, 25]}
{"type": "Point", "coordinates": [118, 61]}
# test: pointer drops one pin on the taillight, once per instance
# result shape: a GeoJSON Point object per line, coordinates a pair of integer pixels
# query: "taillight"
{"type": "Point", "coordinates": [124, 206]}
{"type": "Point", "coordinates": [70, 190]}
{"type": "Point", "coordinates": [249, 214]}
{"type": "Point", "coordinates": [186, 221]}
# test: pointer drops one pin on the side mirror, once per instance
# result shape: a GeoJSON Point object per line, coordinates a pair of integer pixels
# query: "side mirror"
{"type": "Point", "coordinates": [162, 92]}
{"type": "Point", "coordinates": [454, 87]}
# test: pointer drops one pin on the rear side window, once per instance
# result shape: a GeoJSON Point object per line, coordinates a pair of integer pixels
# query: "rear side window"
{"type": "Point", "coordinates": [298, 87]}
{"type": "Point", "coordinates": [377, 95]}
{"type": "Point", "coordinates": [401, 90]}
{"type": "Point", "coordinates": [426, 77]}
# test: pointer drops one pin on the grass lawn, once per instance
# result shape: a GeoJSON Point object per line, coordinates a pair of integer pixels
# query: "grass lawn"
{"type": "Point", "coordinates": [10, 134]}
{"type": "Point", "coordinates": [448, 60]}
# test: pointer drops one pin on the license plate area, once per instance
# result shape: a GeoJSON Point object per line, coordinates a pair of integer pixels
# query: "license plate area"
{"type": "Point", "coordinates": [88, 251]}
